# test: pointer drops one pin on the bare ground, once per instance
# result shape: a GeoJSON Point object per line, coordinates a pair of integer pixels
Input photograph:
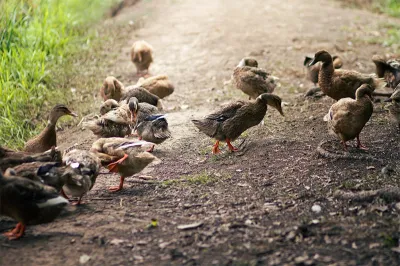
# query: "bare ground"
{"type": "Point", "coordinates": [252, 207]}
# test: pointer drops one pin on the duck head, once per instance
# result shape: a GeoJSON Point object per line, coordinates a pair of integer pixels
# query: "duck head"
{"type": "Point", "coordinates": [364, 89]}
{"type": "Point", "coordinates": [271, 100]}
{"type": "Point", "coordinates": [111, 89]}
{"type": "Point", "coordinates": [58, 111]}
{"type": "Point", "coordinates": [321, 56]}
{"type": "Point", "coordinates": [250, 62]}
{"type": "Point", "coordinates": [133, 105]}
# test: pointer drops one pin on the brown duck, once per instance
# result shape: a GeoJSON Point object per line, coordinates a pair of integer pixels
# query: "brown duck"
{"type": "Point", "coordinates": [123, 156]}
{"type": "Point", "coordinates": [28, 202]}
{"type": "Point", "coordinates": [347, 117]}
{"type": "Point", "coordinates": [10, 158]}
{"type": "Point", "coordinates": [252, 80]}
{"type": "Point", "coordinates": [388, 68]}
{"type": "Point", "coordinates": [313, 71]}
{"type": "Point", "coordinates": [142, 56]}
{"type": "Point", "coordinates": [337, 83]}
{"type": "Point", "coordinates": [159, 85]}
{"type": "Point", "coordinates": [48, 137]}
{"type": "Point", "coordinates": [228, 123]}
{"type": "Point", "coordinates": [114, 89]}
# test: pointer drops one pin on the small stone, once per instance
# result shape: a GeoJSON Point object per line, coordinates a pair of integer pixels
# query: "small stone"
{"type": "Point", "coordinates": [84, 258]}
{"type": "Point", "coordinates": [291, 235]}
{"type": "Point", "coordinates": [316, 208]}
{"type": "Point", "coordinates": [370, 167]}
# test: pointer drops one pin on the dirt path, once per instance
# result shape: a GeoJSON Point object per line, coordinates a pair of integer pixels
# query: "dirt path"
{"type": "Point", "coordinates": [254, 206]}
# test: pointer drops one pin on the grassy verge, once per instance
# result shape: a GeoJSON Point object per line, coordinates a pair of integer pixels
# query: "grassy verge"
{"type": "Point", "coordinates": [390, 7]}
{"type": "Point", "coordinates": [39, 43]}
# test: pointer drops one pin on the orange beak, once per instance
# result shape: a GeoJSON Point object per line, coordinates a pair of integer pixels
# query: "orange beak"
{"type": "Point", "coordinates": [133, 116]}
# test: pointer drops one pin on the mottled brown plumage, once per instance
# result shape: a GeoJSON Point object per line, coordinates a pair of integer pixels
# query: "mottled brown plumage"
{"type": "Point", "coordinates": [154, 128]}
{"type": "Point", "coordinates": [228, 123]}
{"type": "Point", "coordinates": [86, 167]}
{"type": "Point", "coordinates": [347, 117]}
{"type": "Point", "coordinates": [48, 137]}
{"type": "Point", "coordinates": [142, 56]}
{"type": "Point", "coordinates": [123, 156]}
{"type": "Point", "coordinates": [338, 83]}
{"type": "Point", "coordinates": [160, 85]}
{"type": "Point", "coordinates": [28, 202]}
{"type": "Point", "coordinates": [388, 67]}
{"type": "Point", "coordinates": [252, 80]}
{"type": "Point", "coordinates": [10, 158]}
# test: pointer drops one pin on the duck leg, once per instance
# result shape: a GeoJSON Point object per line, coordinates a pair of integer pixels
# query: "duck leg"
{"type": "Point", "coordinates": [230, 146]}
{"type": "Point", "coordinates": [113, 166]}
{"type": "Point", "coordinates": [62, 192]}
{"type": "Point", "coordinates": [344, 145]}
{"type": "Point", "coordinates": [215, 149]}
{"type": "Point", "coordinates": [78, 202]}
{"type": "Point", "coordinates": [359, 145]}
{"type": "Point", "coordinates": [17, 232]}
{"type": "Point", "coordinates": [151, 149]}
{"type": "Point", "coordinates": [118, 188]}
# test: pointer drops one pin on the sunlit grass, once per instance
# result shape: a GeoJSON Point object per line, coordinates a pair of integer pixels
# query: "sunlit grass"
{"type": "Point", "coordinates": [37, 41]}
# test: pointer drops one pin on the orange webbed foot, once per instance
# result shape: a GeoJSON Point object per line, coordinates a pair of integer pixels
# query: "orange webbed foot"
{"type": "Point", "coordinates": [216, 149]}
{"type": "Point", "coordinates": [230, 146]}
{"type": "Point", "coordinates": [16, 233]}
{"type": "Point", "coordinates": [119, 187]}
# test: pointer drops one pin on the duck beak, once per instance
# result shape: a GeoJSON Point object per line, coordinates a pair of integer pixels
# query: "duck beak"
{"type": "Point", "coordinates": [279, 108]}
{"type": "Point", "coordinates": [313, 62]}
{"type": "Point", "coordinates": [133, 116]}
{"type": "Point", "coordinates": [73, 114]}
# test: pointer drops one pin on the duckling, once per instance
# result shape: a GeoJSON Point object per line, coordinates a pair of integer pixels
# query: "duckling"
{"type": "Point", "coordinates": [28, 202]}
{"type": "Point", "coordinates": [313, 71]}
{"type": "Point", "coordinates": [159, 85]}
{"type": "Point", "coordinates": [142, 56]}
{"type": "Point", "coordinates": [394, 107]}
{"type": "Point", "coordinates": [252, 80]}
{"type": "Point", "coordinates": [86, 166]}
{"type": "Point", "coordinates": [154, 128]}
{"type": "Point", "coordinates": [48, 137]}
{"type": "Point", "coordinates": [228, 123]}
{"type": "Point", "coordinates": [108, 105]}
{"type": "Point", "coordinates": [114, 89]}
{"type": "Point", "coordinates": [10, 158]}
{"type": "Point", "coordinates": [123, 156]}
{"type": "Point", "coordinates": [388, 68]}
{"type": "Point", "coordinates": [347, 117]}
{"type": "Point", "coordinates": [117, 122]}
{"type": "Point", "coordinates": [337, 83]}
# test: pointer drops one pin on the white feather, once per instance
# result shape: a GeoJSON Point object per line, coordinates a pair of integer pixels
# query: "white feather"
{"type": "Point", "coordinates": [138, 143]}
{"type": "Point", "coordinates": [53, 202]}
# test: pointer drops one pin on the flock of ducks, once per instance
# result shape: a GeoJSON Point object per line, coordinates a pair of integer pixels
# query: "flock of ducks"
{"type": "Point", "coordinates": [36, 184]}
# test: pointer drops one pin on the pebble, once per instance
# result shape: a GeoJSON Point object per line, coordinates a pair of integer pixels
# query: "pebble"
{"type": "Point", "coordinates": [316, 208]}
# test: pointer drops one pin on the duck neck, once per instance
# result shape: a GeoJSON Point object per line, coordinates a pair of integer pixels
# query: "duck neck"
{"type": "Point", "coordinates": [325, 75]}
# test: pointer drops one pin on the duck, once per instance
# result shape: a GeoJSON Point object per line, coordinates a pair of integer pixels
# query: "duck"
{"type": "Point", "coordinates": [142, 56]}
{"type": "Point", "coordinates": [228, 123]}
{"type": "Point", "coordinates": [122, 156]}
{"type": "Point", "coordinates": [154, 128]}
{"type": "Point", "coordinates": [52, 174]}
{"type": "Point", "coordinates": [143, 110]}
{"type": "Point", "coordinates": [28, 202]}
{"type": "Point", "coordinates": [117, 122]}
{"type": "Point", "coordinates": [347, 117]}
{"type": "Point", "coordinates": [48, 137]}
{"type": "Point", "coordinates": [338, 83]}
{"type": "Point", "coordinates": [159, 85]}
{"type": "Point", "coordinates": [114, 89]}
{"type": "Point", "coordinates": [313, 71]}
{"type": "Point", "coordinates": [252, 80]}
{"type": "Point", "coordinates": [10, 158]}
{"type": "Point", "coordinates": [86, 166]}
{"type": "Point", "coordinates": [388, 68]}
{"type": "Point", "coordinates": [394, 107]}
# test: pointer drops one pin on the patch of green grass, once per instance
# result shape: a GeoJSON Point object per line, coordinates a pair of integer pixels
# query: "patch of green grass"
{"type": "Point", "coordinates": [38, 40]}
{"type": "Point", "coordinates": [390, 7]}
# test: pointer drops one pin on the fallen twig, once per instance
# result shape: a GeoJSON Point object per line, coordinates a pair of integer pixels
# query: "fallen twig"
{"type": "Point", "coordinates": [388, 194]}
